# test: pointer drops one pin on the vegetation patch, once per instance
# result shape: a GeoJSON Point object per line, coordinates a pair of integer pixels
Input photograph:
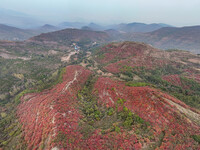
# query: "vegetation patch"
{"type": "Point", "coordinates": [196, 138]}
{"type": "Point", "coordinates": [109, 119]}
{"type": "Point", "coordinates": [137, 84]}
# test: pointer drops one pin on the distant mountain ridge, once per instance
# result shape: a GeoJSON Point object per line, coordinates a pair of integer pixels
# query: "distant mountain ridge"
{"type": "Point", "coordinates": [47, 28]}
{"type": "Point", "coordinates": [77, 25]}
{"type": "Point", "coordinates": [129, 27]}
{"type": "Point", "coordinates": [186, 38]}
{"type": "Point", "coordinates": [139, 27]}
{"type": "Point", "coordinates": [18, 19]}
{"type": "Point", "coordinates": [159, 35]}
{"type": "Point", "coordinates": [16, 34]}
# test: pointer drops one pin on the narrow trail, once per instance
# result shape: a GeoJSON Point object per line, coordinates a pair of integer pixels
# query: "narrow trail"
{"type": "Point", "coordinates": [67, 58]}
{"type": "Point", "coordinates": [71, 82]}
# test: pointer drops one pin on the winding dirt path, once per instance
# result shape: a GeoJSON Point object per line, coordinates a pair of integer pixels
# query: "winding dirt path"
{"type": "Point", "coordinates": [67, 58]}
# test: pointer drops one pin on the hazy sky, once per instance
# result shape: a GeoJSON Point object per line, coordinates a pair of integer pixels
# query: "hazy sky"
{"type": "Point", "coordinates": [174, 12]}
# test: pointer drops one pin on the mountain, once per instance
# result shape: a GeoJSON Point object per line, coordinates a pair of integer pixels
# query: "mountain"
{"type": "Point", "coordinates": [86, 28]}
{"type": "Point", "coordinates": [16, 34]}
{"type": "Point", "coordinates": [46, 28]}
{"type": "Point", "coordinates": [139, 27]}
{"type": "Point", "coordinates": [77, 25]}
{"type": "Point", "coordinates": [49, 27]}
{"type": "Point", "coordinates": [186, 38]}
{"type": "Point", "coordinates": [18, 19]}
{"type": "Point", "coordinates": [72, 35]}
{"type": "Point", "coordinates": [96, 27]}
{"type": "Point", "coordinates": [130, 27]}
{"type": "Point", "coordinates": [115, 34]}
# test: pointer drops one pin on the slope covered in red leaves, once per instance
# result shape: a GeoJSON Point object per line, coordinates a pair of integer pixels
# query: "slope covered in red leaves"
{"type": "Point", "coordinates": [45, 115]}
{"type": "Point", "coordinates": [165, 113]}
{"type": "Point", "coordinates": [116, 56]}
{"type": "Point", "coordinates": [87, 111]}
{"type": "Point", "coordinates": [51, 119]}
{"type": "Point", "coordinates": [173, 79]}
{"type": "Point", "coordinates": [124, 50]}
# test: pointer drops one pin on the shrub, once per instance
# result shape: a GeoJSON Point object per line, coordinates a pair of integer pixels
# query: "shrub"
{"type": "Point", "coordinates": [196, 138]}
{"type": "Point", "coordinates": [117, 129]}
{"type": "Point", "coordinates": [136, 84]}
{"type": "Point", "coordinates": [110, 111]}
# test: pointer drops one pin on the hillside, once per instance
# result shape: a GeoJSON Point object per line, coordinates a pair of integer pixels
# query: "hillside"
{"type": "Point", "coordinates": [16, 34]}
{"type": "Point", "coordinates": [73, 35]}
{"type": "Point", "coordinates": [140, 61]}
{"type": "Point", "coordinates": [186, 38]}
{"type": "Point", "coordinates": [87, 122]}
{"type": "Point", "coordinates": [124, 95]}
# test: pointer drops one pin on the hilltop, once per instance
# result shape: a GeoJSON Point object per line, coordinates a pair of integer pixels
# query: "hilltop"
{"type": "Point", "coordinates": [76, 35]}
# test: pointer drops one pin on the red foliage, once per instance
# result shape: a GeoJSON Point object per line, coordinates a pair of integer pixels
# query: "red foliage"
{"type": "Point", "coordinates": [52, 117]}
{"type": "Point", "coordinates": [51, 112]}
{"type": "Point", "coordinates": [131, 54]}
{"type": "Point", "coordinates": [175, 80]}
{"type": "Point", "coordinates": [124, 50]}
{"type": "Point", "coordinates": [193, 74]}
{"type": "Point", "coordinates": [136, 61]}
{"type": "Point", "coordinates": [153, 106]}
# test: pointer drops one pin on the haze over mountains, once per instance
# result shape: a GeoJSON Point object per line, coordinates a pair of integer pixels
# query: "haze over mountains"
{"type": "Point", "coordinates": [185, 38]}
{"type": "Point", "coordinates": [17, 34]}
{"type": "Point", "coordinates": [18, 19]}
{"type": "Point", "coordinates": [14, 33]}
{"type": "Point", "coordinates": [159, 35]}
{"type": "Point", "coordinates": [13, 27]}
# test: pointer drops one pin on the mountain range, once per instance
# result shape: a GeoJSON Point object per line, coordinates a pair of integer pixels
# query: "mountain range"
{"type": "Point", "coordinates": [185, 38]}
{"type": "Point", "coordinates": [18, 19]}
{"type": "Point", "coordinates": [130, 27]}
{"type": "Point", "coordinates": [17, 34]}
